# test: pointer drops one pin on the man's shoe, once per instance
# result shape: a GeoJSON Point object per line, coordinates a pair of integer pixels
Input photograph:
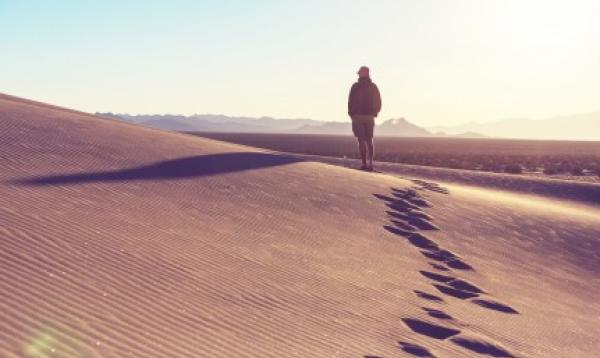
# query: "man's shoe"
{"type": "Point", "coordinates": [364, 167]}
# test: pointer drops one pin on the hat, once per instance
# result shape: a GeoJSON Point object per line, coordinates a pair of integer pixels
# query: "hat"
{"type": "Point", "coordinates": [363, 70]}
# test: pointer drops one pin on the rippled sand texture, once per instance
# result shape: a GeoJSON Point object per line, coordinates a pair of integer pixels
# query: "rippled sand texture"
{"type": "Point", "coordinates": [123, 241]}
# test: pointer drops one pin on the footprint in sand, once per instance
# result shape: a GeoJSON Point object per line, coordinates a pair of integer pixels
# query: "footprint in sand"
{"type": "Point", "coordinates": [437, 313]}
{"type": "Point", "coordinates": [397, 203]}
{"type": "Point", "coordinates": [414, 238]}
{"type": "Point", "coordinates": [411, 196]}
{"type": "Point", "coordinates": [430, 329]}
{"type": "Point", "coordinates": [415, 220]}
{"type": "Point", "coordinates": [496, 306]}
{"type": "Point", "coordinates": [428, 296]}
{"type": "Point", "coordinates": [481, 347]}
{"type": "Point", "coordinates": [463, 295]}
{"type": "Point", "coordinates": [436, 277]}
{"type": "Point", "coordinates": [423, 185]}
{"type": "Point", "coordinates": [418, 214]}
{"type": "Point", "coordinates": [403, 227]}
{"type": "Point", "coordinates": [464, 286]}
{"type": "Point", "coordinates": [401, 207]}
{"type": "Point", "coordinates": [448, 258]}
{"type": "Point", "coordinates": [422, 242]}
{"type": "Point", "coordinates": [415, 350]}
{"type": "Point", "coordinates": [438, 267]}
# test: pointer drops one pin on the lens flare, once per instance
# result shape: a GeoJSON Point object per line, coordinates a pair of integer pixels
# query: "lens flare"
{"type": "Point", "coordinates": [42, 345]}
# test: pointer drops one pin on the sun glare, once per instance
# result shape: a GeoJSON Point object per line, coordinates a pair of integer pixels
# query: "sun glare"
{"type": "Point", "coordinates": [546, 25]}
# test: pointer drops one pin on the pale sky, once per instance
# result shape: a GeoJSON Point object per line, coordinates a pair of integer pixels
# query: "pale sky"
{"type": "Point", "coordinates": [436, 62]}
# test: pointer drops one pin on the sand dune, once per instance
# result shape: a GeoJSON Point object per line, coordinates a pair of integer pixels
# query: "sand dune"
{"type": "Point", "coordinates": [125, 241]}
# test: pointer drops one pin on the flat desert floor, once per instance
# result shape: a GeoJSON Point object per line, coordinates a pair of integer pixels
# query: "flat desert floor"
{"type": "Point", "coordinates": [125, 241]}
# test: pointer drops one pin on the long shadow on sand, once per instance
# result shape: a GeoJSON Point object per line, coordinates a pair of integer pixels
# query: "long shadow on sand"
{"type": "Point", "coordinates": [197, 166]}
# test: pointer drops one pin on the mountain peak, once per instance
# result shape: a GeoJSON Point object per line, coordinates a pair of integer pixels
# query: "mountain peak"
{"type": "Point", "coordinates": [401, 127]}
{"type": "Point", "coordinates": [395, 121]}
{"type": "Point", "coordinates": [569, 127]}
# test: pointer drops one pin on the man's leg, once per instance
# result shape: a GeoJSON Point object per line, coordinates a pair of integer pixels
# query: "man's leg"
{"type": "Point", "coordinates": [362, 148]}
{"type": "Point", "coordinates": [369, 129]}
{"type": "Point", "coordinates": [371, 150]}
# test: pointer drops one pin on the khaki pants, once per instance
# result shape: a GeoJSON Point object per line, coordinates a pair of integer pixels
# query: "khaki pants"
{"type": "Point", "coordinates": [362, 126]}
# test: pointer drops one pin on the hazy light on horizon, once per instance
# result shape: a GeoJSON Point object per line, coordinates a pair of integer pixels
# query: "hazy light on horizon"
{"type": "Point", "coordinates": [436, 62]}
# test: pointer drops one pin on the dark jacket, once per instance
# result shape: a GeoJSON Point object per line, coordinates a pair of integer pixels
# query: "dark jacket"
{"type": "Point", "coordinates": [364, 98]}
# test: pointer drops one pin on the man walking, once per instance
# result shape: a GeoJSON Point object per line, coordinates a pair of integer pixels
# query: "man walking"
{"type": "Point", "coordinates": [364, 104]}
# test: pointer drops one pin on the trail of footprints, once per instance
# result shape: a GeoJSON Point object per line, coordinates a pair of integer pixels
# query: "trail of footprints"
{"type": "Point", "coordinates": [406, 220]}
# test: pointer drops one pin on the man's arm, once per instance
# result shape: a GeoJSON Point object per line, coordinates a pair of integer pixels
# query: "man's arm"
{"type": "Point", "coordinates": [376, 100]}
{"type": "Point", "coordinates": [350, 99]}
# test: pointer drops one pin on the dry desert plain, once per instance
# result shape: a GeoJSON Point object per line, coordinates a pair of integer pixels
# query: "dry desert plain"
{"type": "Point", "coordinates": [123, 241]}
{"type": "Point", "coordinates": [577, 161]}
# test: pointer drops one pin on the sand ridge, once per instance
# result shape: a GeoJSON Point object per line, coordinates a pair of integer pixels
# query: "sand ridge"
{"type": "Point", "coordinates": [587, 193]}
{"type": "Point", "coordinates": [124, 241]}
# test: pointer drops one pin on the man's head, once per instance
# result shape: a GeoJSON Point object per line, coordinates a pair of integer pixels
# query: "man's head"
{"type": "Point", "coordinates": [363, 72]}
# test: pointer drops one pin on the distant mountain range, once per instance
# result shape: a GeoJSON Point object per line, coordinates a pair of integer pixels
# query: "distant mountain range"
{"type": "Point", "coordinates": [398, 127]}
{"type": "Point", "coordinates": [573, 127]}
{"type": "Point", "coordinates": [215, 123]}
